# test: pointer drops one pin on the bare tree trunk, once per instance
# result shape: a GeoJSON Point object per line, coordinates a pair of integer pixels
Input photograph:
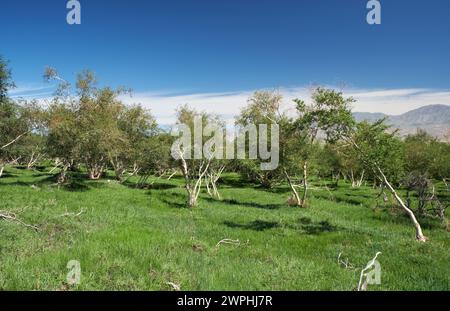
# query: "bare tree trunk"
{"type": "Point", "coordinates": [193, 188]}
{"type": "Point", "coordinates": [356, 183]}
{"type": "Point", "coordinates": [57, 164]}
{"type": "Point", "coordinates": [211, 179]}
{"type": "Point", "coordinates": [292, 186]}
{"type": "Point", "coordinates": [118, 166]}
{"type": "Point", "coordinates": [360, 181]}
{"type": "Point", "coordinates": [352, 178]}
{"type": "Point", "coordinates": [1, 170]}
{"type": "Point", "coordinates": [95, 172]}
{"type": "Point", "coordinates": [34, 158]}
{"type": "Point", "coordinates": [142, 181]}
{"type": "Point", "coordinates": [216, 190]}
{"type": "Point", "coordinates": [305, 184]}
{"type": "Point", "coordinates": [119, 171]}
{"type": "Point", "coordinates": [208, 188]}
{"type": "Point", "coordinates": [62, 175]}
{"type": "Point", "coordinates": [171, 175]}
{"type": "Point", "coordinates": [419, 235]}
{"type": "Point", "coordinates": [14, 140]}
{"type": "Point", "coordinates": [94, 175]}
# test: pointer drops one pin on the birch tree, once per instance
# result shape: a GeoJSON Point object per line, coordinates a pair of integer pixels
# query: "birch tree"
{"type": "Point", "coordinates": [377, 149]}
{"type": "Point", "coordinates": [264, 107]}
{"type": "Point", "coordinates": [84, 125]}
{"type": "Point", "coordinates": [13, 119]}
{"type": "Point", "coordinates": [188, 150]}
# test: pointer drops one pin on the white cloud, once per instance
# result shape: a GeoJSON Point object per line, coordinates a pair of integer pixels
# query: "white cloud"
{"type": "Point", "coordinates": [229, 104]}
{"type": "Point", "coordinates": [163, 103]}
{"type": "Point", "coordinates": [31, 91]}
{"type": "Point", "coordinates": [398, 101]}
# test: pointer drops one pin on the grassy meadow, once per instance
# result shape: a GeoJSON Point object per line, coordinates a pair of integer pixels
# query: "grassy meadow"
{"type": "Point", "coordinates": [141, 239]}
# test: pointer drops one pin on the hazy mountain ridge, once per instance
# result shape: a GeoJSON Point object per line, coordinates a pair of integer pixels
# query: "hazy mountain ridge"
{"type": "Point", "coordinates": [435, 119]}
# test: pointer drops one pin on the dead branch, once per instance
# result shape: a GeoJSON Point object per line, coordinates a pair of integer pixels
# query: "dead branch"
{"type": "Point", "coordinates": [176, 287]}
{"type": "Point", "coordinates": [58, 163]}
{"type": "Point", "coordinates": [231, 242]}
{"type": "Point", "coordinates": [173, 174]}
{"type": "Point", "coordinates": [211, 179]}
{"type": "Point", "coordinates": [344, 263]}
{"type": "Point", "coordinates": [34, 158]}
{"type": "Point", "coordinates": [14, 140]}
{"type": "Point", "coordinates": [12, 217]}
{"type": "Point", "coordinates": [362, 286]}
{"type": "Point", "coordinates": [72, 214]}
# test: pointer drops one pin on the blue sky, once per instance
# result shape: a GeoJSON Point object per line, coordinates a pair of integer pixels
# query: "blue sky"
{"type": "Point", "coordinates": [173, 47]}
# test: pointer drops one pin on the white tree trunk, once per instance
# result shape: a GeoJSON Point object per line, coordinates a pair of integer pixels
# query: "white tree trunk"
{"type": "Point", "coordinates": [14, 140]}
{"type": "Point", "coordinates": [419, 234]}
{"type": "Point", "coordinates": [294, 191]}
{"type": "Point", "coordinates": [34, 158]}
{"type": "Point", "coordinates": [305, 184]}
{"type": "Point", "coordinates": [211, 180]}
{"type": "Point", "coordinates": [193, 187]}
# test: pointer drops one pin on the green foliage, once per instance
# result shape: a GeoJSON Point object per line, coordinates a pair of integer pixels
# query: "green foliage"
{"type": "Point", "coordinates": [96, 129]}
{"type": "Point", "coordinates": [264, 107]}
{"type": "Point", "coordinates": [6, 82]}
{"type": "Point", "coordinates": [329, 113]}
{"type": "Point", "coordinates": [377, 147]}
{"type": "Point", "coordinates": [425, 154]}
{"type": "Point", "coordinates": [17, 121]}
{"type": "Point", "coordinates": [329, 161]}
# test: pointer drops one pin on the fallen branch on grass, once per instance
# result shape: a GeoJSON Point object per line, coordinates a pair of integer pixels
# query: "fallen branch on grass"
{"type": "Point", "coordinates": [362, 286]}
{"type": "Point", "coordinates": [344, 263]}
{"type": "Point", "coordinates": [72, 214]}
{"type": "Point", "coordinates": [8, 216]}
{"type": "Point", "coordinates": [176, 287]}
{"type": "Point", "coordinates": [230, 241]}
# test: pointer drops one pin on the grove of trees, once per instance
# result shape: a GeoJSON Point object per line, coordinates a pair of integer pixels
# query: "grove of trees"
{"type": "Point", "coordinates": [89, 130]}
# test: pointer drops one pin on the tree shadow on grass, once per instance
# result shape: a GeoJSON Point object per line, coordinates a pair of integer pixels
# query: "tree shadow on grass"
{"type": "Point", "coordinates": [278, 190]}
{"type": "Point", "coordinates": [236, 182]}
{"type": "Point", "coordinates": [76, 186]}
{"type": "Point", "coordinates": [155, 186]}
{"type": "Point", "coordinates": [171, 199]}
{"type": "Point", "coordinates": [41, 182]}
{"type": "Point", "coordinates": [40, 168]}
{"type": "Point", "coordinates": [349, 200]}
{"type": "Point", "coordinates": [173, 204]}
{"type": "Point", "coordinates": [256, 225]}
{"type": "Point", "coordinates": [249, 204]}
{"type": "Point", "coordinates": [73, 184]}
{"type": "Point", "coordinates": [398, 216]}
{"type": "Point", "coordinates": [356, 200]}
{"type": "Point", "coordinates": [8, 175]}
{"type": "Point", "coordinates": [310, 227]}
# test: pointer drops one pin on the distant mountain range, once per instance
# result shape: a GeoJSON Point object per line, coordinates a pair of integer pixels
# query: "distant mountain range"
{"type": "Point", "coordinates": [434, 119]}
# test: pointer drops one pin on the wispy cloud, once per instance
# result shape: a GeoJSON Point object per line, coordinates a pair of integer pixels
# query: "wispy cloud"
{"type": "Point", "coordinates": [398, 101]}
{"type": "Point", "coordinates": [229, 104]}
{"type": "Point", "coordinates": [163, 103]}
{"type": "Point", "coordinates": [32, 91]}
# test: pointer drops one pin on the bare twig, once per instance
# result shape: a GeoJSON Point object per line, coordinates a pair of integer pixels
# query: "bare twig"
{"type": "Point", "coordinates": [345, 263]}
{"type": "Point", "coordinates": [13, 141]}
{"type": "Point", "coordinates": [362, 286]}
{"type": "Point", "coordinates": [176, 287]}
{"type": "Point", "coordinates": [13, 218]}
{"type": "Point", "coordinates": [230, 241]}
{"type": "Point", "coordinates": [72, 214]}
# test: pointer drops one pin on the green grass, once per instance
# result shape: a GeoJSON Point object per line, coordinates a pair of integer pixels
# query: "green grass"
{"type": "Point", "coordinates": [133, 239]}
